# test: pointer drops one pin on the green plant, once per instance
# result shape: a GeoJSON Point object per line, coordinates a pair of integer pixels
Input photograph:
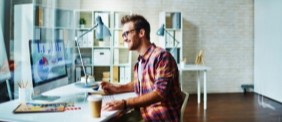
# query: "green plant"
{"type": "Point", "coordinates": [82, 21]}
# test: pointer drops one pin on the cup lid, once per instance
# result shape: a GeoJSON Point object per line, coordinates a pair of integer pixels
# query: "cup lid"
{"type": "Point", "coordinates": [94, 97]}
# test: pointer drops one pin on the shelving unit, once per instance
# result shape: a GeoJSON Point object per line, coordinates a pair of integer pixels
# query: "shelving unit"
{"type": "Point", "coordinates": [36, 21]}
{"type": "Point", "coordinates": [173, 25]}
{"type": "Point", "coordinates": [122, 56]}
{"type": "Point", "coordinates": [44, 23]}
{"type": "Point", "coordinates": [102, 51]}
{"type": "Point", "coordinates": [108, 59]}
{"type": "Point", "coordinates": [51, 24]}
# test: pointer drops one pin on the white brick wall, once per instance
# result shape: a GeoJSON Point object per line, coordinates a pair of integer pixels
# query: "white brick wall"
{"type": "Point", "coordinates": [222, 28]}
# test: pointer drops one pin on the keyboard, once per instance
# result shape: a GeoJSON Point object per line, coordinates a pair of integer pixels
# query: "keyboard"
{"type": "Point", "coordinates": [107, 98]}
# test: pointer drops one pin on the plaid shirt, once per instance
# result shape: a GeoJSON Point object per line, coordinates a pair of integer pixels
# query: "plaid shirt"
{"type": "Point", "coordinates": [160, 74]}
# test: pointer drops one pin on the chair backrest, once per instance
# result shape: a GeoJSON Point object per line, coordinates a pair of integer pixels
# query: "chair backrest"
{"type": "Point", "coordinates": [184, 104]}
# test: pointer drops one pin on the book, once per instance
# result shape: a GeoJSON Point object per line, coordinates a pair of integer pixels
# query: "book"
{"type": "Point", "coordinates": [121, 75]}
{"type": "Point", "coordinates": [77, 74]}
{"type": "Point", "coordinates": [127, 72]}
{"type": "Point", "coordinates": [115, 74]}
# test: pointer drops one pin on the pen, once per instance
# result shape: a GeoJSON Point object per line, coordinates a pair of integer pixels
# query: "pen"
{"type": "Point", "coordinates": [22, 84]}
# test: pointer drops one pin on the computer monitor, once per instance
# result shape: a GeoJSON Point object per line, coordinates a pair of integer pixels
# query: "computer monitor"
{"type": "Point", "coordinates": [48, 67]}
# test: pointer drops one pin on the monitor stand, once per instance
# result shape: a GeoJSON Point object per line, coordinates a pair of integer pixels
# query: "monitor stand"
{"type": "Point", "coordinates": [45, 98]}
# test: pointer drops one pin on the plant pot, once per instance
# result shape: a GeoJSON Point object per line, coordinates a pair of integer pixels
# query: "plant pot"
{"type": "Point", "coordinates": [82, 25]}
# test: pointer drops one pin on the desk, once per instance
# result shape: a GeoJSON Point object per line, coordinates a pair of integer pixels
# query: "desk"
{"type": "Point", "coordinates": [198, 69]}
{"type": "Point", "coordinates": [82, 115]}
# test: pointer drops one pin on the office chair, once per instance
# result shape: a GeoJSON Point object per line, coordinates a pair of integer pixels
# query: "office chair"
{"type": "Point", "coordinates": [184, 104]}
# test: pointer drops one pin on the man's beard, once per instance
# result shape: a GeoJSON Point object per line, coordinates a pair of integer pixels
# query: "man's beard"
{"type": "Point", "coordinates": [136, 44]}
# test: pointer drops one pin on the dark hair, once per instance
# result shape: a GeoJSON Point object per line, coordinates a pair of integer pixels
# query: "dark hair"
{"type": "Point", "coordinates": [139, 23]}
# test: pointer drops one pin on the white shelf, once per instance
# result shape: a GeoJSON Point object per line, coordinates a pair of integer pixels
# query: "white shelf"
{"type": "Point", "coordinates": [122, 65]}
{"type": "Point", "coordinates": [120, 47]}
{"type": "Point", "coordinates": [119, 56]}
{"type": "Point", "coordinates": [82, 29]}
{"type": "Point", "coordinates": [101, 65]}
{"type": "Point", "coordinates": [36, 22]}
{"type": "Point", "coordinates": [174, 32]}
{"type": "Point", "coordinates": [87, 65]}
{"type": "Point", "coordinates": [172, 29]}
{"type": "Point", "coordinates": [101, 47]}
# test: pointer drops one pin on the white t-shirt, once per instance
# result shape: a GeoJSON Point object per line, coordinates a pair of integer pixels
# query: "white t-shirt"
{"type": "Point", "coordinates": [140, 75]}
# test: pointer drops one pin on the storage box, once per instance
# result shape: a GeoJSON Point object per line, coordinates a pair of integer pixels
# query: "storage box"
{"type": "Point", "coordinates": [101, 57]}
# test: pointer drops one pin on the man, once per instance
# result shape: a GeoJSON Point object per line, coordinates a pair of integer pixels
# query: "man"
{"type": "Point", "coordinates": [156, 77]}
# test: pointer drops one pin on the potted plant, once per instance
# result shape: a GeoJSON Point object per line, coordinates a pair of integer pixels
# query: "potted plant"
{"type": "Point", "coordinates": [82, 22]}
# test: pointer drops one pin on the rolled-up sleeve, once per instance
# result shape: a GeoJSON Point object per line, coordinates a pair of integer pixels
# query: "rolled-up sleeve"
{"type": "Point", "coordinates": [164, 74]}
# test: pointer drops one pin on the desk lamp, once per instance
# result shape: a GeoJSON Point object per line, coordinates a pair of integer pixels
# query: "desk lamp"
{"type": "Point", "coordinates": [101, 32]}
{"type": "Point", "coordinates": [161, 31]}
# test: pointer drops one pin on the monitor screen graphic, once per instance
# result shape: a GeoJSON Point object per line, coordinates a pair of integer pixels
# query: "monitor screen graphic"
{"type": "Point", "coordinates": [47, 61]}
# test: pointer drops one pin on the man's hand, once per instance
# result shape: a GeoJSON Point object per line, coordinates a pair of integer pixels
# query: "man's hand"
{"type": "Point", "coordinates": [109, 88]}
{"type": "Point", "coordinates": [114, 105]}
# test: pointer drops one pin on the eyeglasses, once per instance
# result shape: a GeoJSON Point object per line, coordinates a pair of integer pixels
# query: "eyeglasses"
{"type": "Point", "coordinates": [125, 34]}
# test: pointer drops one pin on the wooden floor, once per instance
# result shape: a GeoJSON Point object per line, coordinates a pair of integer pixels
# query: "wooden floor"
{"type": "Point", "coordinates": [233, 107]}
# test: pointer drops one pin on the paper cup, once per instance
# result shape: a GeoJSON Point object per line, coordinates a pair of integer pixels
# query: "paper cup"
{"type": "Point", "coordinates": [95, 104]}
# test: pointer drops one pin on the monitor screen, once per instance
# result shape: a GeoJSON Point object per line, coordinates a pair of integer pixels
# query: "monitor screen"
{"type": "Point", "coordinates": [47, 61]}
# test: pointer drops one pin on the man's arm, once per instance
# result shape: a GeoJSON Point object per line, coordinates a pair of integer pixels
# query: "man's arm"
{"type": "Point", "coordinates": [129, 87]}
{"type": "Point", "coordinates": [110, 88]}
{"type": "Point", "coordinates": [144, 100]}
{"type": "Point", "coordinates": [139, 101]}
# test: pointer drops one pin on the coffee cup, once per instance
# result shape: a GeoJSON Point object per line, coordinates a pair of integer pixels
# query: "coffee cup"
{"type": "Point", "coordinates": [95, 104]}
